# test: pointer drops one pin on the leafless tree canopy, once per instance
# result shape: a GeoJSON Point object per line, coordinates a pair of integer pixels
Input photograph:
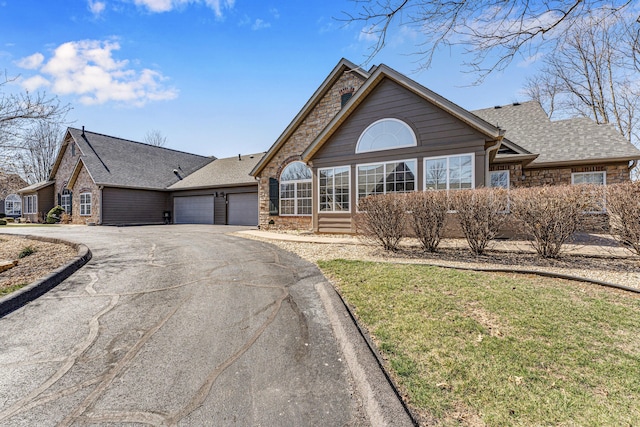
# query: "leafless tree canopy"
{"type": "Point", "coordinates": [155, 137]}
{"type": "Point", "coordinates": [39, 151]}
{"type": "Point", "coordinates": [23, 116]}
{"type": "Point", "coordinates": [491, 31]}
{"type": "Point", "coordinates": [592, 74]}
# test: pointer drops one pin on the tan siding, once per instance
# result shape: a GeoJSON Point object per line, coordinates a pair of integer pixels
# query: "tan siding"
{"type": "Point", "coordinates": [334, 223]}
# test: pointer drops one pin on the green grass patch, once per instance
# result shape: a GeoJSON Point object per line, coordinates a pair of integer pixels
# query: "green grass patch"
{"type": "Point", "coordinates": [9, 289]}
{"type": "Point", "coordinates": [26, 251]}
{"type": "Point", "coordinates": [479, 348]}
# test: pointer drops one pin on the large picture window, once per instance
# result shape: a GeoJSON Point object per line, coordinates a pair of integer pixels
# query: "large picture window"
{"type": "Point", "coordinates": [30, 205]}
{"type": "Point", "coordinates": [295, 190]}
{"type": "Point", "coordinates": [13, 205]}
{"type": "Point", "coordinates": [85, 204]}
{"type": "Point", "coordinates": [449, 173]}
{"type": "Point", "coordinates": [334, 189]}
{"type": "Point", "coordinates": [386, 134]}
{"type": "Point", "coordinates": [390, 177]}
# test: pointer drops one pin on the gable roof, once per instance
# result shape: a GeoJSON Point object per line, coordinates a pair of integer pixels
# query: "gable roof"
{"type": "Point", "coordinates": [227, 172]}
{"type": "Point", "coordinates": [342, 66]}
{"type": "Point", "coordinates": [35, 187]}
{"type": "Point", "coordinates": [383, 72]}
{"type": "Point", "coordinates": [10, 183]}
{"type": "Point", "coordinates": [117, 162]}
{"type": "Point", "coordinates": [578, 140]}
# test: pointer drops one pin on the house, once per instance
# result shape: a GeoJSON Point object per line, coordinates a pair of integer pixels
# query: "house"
{"type": "Point", "coordinates": [105, 180]}
{"type": "Point", "coordinates": [377, 131]}
{"type": "Point", "coordinates": [10, 201]}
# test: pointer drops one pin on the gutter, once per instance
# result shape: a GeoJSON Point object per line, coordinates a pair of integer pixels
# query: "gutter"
{"type": "Point", "coordinates": [487, 156]}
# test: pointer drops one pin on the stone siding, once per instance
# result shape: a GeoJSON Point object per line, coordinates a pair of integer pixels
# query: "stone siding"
{"type": "Point", "coordinates": [63, 173]}
{"type": "Point", "coordinates": [616, 173]}
{"type": "Point", "coordinates": [293, 147]}
{"type": "Point", "coordinates": [84, 184]}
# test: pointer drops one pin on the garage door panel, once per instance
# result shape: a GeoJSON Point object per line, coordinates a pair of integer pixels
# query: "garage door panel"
{"type": "Point", "coordinates": [193, 210]}
{"type": "Point", "coordinates": [243, 209]}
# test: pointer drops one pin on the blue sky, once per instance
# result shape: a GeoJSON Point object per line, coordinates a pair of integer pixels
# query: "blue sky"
{"type": "Point", "coordinates": [216, 77]}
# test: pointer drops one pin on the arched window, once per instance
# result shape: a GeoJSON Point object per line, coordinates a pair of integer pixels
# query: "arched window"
{"type": "Point", "coordinates": [386, 134]}
{"type": "Point", "coordinates": [295, 190]}
{"type": "Point", "coordinates": [13, 205]}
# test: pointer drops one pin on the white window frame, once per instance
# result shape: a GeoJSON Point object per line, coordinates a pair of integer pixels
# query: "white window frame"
{"type": "Point", "coordinates": [491, 173]}
{"type": "Point", "coordinates": [574, 174]}
{"type": "Point", "coordinates": [296, 198]}
{"type": "Point", "coordinates": [10, 205]}
{"type": "Point", "coordinates": [65, 204]}
{"type": "Point", "coordinates": [413, 143]}
{"type": "Point", "coordinates": [30, 204]}
{"type": "Point", "coordinates": [348, 167]}
{"type": "Point", "coordinates": [385, 174]}
{"type": "Point", "coordinates": [604, 183]}
{"type": "Point", "coordinates": [448, 161]}
{"type": "Point", "coordinates": [85, 207]}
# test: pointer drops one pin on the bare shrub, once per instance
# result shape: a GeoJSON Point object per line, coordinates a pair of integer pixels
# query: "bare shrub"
{"type": "Point", "coordinates": [482, 212]}
{"type": "Point", "coordinates": [623, 204]}
{"type": "Point", "coordinates": [382, 219]}
{"type": "Point", "coordinates": [550, 215]}
{"type": "Point", "coordinates": [427, 212]}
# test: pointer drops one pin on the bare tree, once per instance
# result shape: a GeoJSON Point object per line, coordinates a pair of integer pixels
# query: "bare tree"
{"type": "Point", "coordinates": [591, 74]}
{"type": "Point", "coordinates": [155, 137]}
{"type": "Point", "coordinates": [36, 157]}
{"type": "Point", "coordinates": [493, 32]}
{"type": "Point", "coordinates": [20, 114]}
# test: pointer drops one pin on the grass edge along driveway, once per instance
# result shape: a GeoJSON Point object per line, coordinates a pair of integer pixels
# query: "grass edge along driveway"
{"type": "Point", "coordinates": [471, 348]}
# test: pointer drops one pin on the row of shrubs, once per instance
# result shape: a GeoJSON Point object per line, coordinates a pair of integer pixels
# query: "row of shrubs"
{"type": "Point", "coordinates": [548, 216]}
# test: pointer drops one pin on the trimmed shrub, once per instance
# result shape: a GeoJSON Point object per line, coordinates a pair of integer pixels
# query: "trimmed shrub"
{"type": "Point", "coordinates": [623, 204]}
{"type": "Point", "coordinates": [427, 212]}
{"type": "Point", "coordinates": [481, 212]}
{"type": "Point", "coordinates": [3, 222]}
{"type": "Point", "coordinates": [550, 215]}
{"type": "Point", "coordinates": [53, 216]}
{"type": "Point", "coordinates": [382, 219]}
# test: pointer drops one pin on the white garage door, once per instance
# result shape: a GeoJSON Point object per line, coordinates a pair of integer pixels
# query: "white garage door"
{"type": "Point", "coordinates": [243, 209]}
{"type": "Point", "coordinates": [193, 210]}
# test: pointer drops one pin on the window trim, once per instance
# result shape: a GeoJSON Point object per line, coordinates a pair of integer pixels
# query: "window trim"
{"type": "Point", "coordinates": [413, 135]}
{"type": "Point", "coordinates": [30, 204]}
{"type": "Point", "coordinates": [357, 190]}
{"type": "Point", "coordinates": [295, 191]}
{"type": "Point", "coordinates": [348, 167]}
{"type": "Point", "coordinates": [13, 200]}
{"type": "Point", "coordinates": [83, 206]}
{"type": "Point", "coordinates": [603, 173]}
{"type": "Point", "coordinates": [448, 157]}
{"type": "Point", "coordinates": [501, 171]}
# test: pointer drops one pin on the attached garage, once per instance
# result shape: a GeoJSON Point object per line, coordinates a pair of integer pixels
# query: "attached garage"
{"type": "Point", "coordinates": [242, 209]}
{"type": "Point", "coordinates": [193, 210]}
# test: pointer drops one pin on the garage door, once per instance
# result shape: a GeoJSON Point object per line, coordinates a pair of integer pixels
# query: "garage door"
{"type": "Point", "coordinates": [193, 210]}
{"type": "Point", "coordinates": [243, 209]}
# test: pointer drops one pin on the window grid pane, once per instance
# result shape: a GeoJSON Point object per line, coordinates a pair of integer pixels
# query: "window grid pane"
{"type": "Point", "coordinates": [391, 177]}
{"type": "Point", "coordinates": [334, 189]}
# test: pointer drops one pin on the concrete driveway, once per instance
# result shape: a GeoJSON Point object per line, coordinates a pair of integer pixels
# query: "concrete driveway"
{"type": "Point", "coordinates": [186, 325]}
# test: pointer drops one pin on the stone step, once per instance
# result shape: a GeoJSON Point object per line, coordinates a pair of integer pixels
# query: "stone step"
{"type": "Point", "coordinates": [5, 265]}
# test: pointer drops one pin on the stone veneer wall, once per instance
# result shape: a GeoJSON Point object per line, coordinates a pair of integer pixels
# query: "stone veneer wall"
{"type": "Point", "coordinates": [84, 184]}
{"type": "Point", "coordinates": [616, 173]}
{"type": "Point", "coordinates": [65, 168]}
{"type": "Point", "coordinates": [291, 150]}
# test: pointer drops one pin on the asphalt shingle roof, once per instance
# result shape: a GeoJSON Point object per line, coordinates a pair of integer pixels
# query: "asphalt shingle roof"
{"type": "Point", "coordinates": [579, 139]}
{"type": "Point", "coordinates": [222, 172]}
{"type": "Point", "coordinates": [119, 162]}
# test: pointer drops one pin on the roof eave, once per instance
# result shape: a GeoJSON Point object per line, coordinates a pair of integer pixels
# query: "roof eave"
{"type": "Point", "coordinates": [335, 74]}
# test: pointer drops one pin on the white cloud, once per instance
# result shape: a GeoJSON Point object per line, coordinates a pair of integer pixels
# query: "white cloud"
{"type": "Point", "coordinates": [369, 34]}
{"type": "Point", "coordinates": [97, 7]}
{"type": "Point", "coordinates": [259, 24]}
{"type": "Point", "coordinates": [158, 6]}
{"type": "Point", "coordinates": [88, 69]}
{"type": "Point", "coordinates": [31, 62]}
{"type": "Point", "coordinates": [530, 60]}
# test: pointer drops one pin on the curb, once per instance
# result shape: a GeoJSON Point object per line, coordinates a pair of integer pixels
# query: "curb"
{"type": "Point", "coordinates": [38, 288]}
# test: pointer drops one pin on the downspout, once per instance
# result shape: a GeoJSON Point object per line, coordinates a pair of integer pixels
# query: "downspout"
{"type": "Point", "coordinates": [100, 218]}
{"type": "Point", "coordinates": [633, 164]}
{"type": "Point", "coordinates": [487, 155]}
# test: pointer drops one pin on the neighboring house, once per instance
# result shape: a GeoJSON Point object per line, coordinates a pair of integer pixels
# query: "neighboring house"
{"type": "Point", "coordinates": [10, 201]}
{"type": "Point", "coordinates": [376, 132]}
{"type": "Point", "coordinates": [100, 179]}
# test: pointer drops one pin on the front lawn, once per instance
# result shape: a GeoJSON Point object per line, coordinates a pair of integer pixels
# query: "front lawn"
{"type": "Point", "coordinates": [494, 349]}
